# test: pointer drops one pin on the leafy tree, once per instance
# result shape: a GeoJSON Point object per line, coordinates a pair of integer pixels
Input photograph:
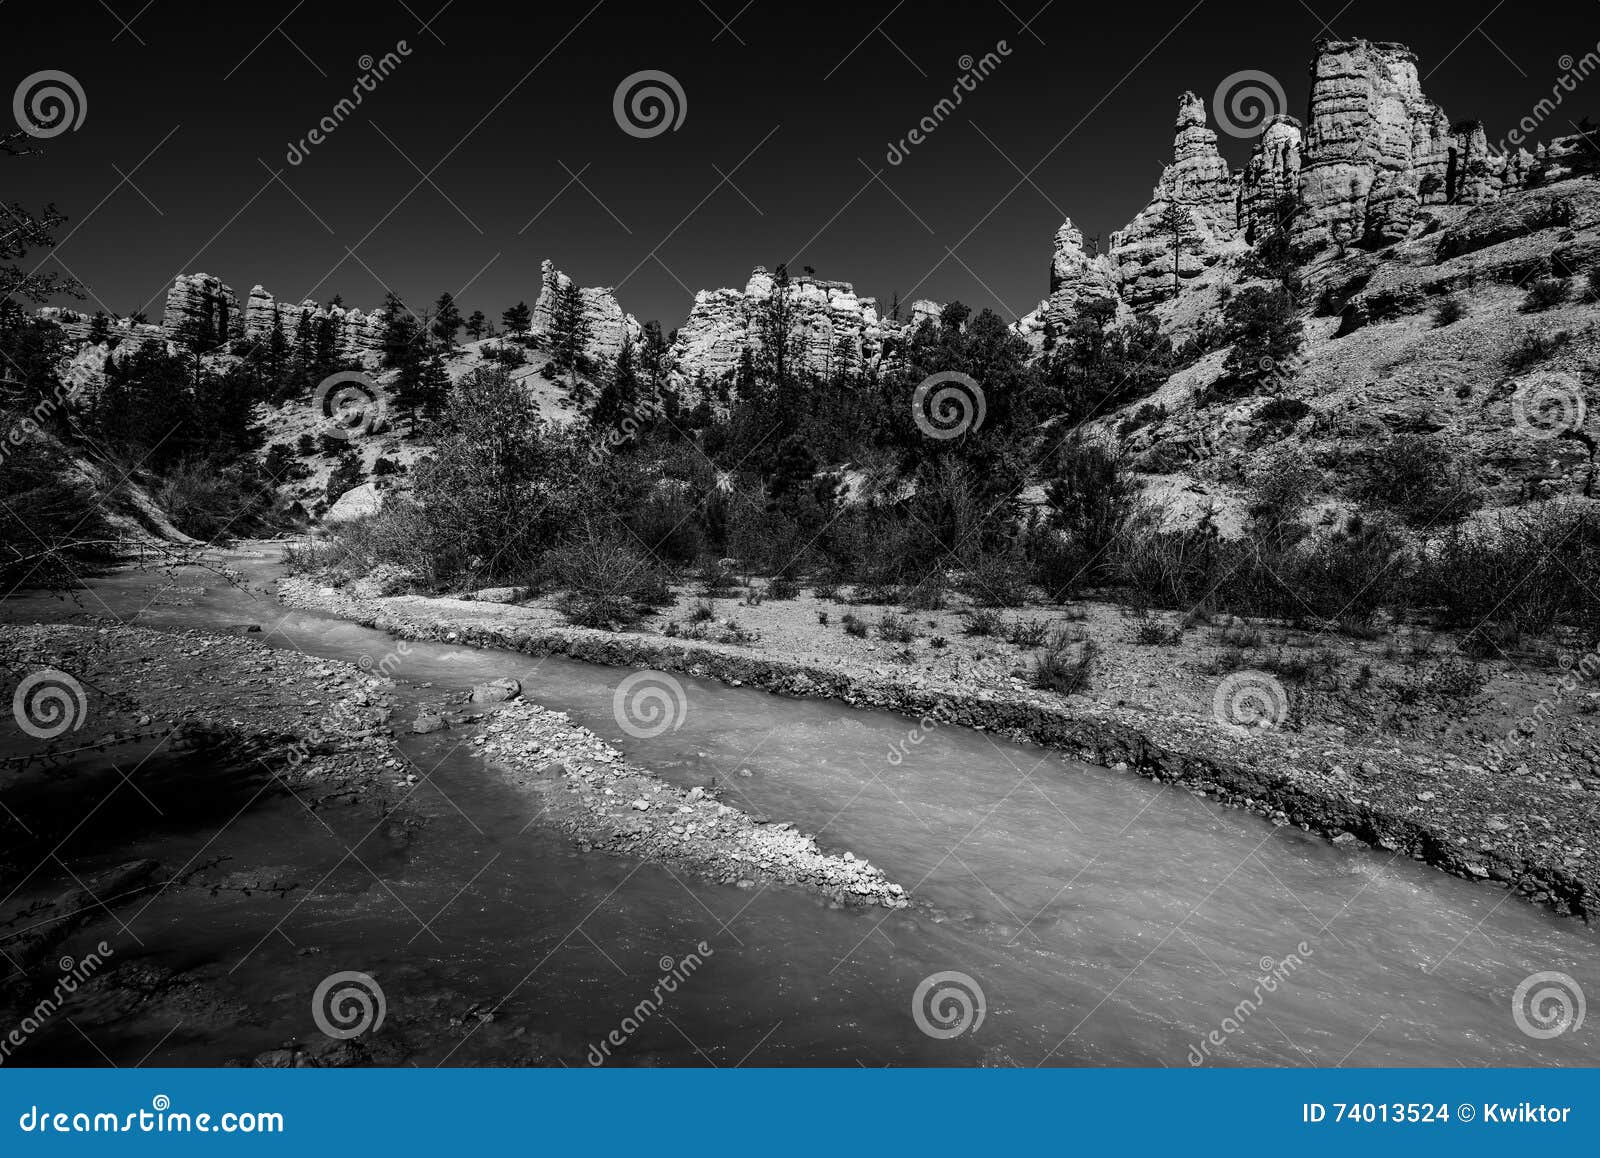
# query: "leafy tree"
{"type": "Point", "coordinates": [346, 474]}
{"type": "Point", "coordinates": [23, 233]}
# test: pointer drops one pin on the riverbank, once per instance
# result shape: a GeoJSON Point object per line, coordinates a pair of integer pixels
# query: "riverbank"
{"type": "Point", "coordinates": [1394, 756]}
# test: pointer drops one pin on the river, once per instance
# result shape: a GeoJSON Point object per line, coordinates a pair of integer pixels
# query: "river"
{"type": "Point", "coordinates": [1095, 917]}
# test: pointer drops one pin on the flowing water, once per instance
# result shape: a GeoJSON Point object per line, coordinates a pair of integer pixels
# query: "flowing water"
{"type": "Point", "coordinates": [1105, 919]}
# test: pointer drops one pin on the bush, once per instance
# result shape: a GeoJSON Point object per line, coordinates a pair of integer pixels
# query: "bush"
{"type": "Point", "coordinates": [504, 354]}
{"type": "Point", "coordinates": [1282, 413]}
{"type": "Point", "coordinates": [608, 584]}
{"type": "Point", "coordinates": [1448, 312]}
{"type": "Point", "coordinates": [996, 578]}
{"type": "Point", "coordinates": [895, 629]}
{"type": "Point", "coordinates": [782, 587]}
{"type": "Point", "coordinates": [1531, 347]}
{"type": "Point", "coordinates": [1543, 294]}
{"type": "Point", "coordinates": [1065, 670]}
{"type": "Point", "coordinates": [1026, 632]}
{"type": "Point", "coordinates": [854, 626]}
{"type": "Point", "coordinates": [208, 501]}
{"type": "Point", "coordinates": [1419, 478]}
{"type": "Point", "coordinates": [981, 621]}
{"type": "Point", "coordinates": [305, 446]}
{"type": "Point", "coordinates": [1153, 633]}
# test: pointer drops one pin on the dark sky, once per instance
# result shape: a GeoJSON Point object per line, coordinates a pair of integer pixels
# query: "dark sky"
{"type": "Point", "coordinates": [502, 105]}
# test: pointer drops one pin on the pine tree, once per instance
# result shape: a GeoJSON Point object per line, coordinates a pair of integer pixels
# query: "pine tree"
{"type": "Point", "coordinates": [325, 346]}
{"type": "Point", "coordinates": [277, 359]}
{"type": "Point", "coordinates": [446, 320]}
{"type": "Point", "coordinates": [619, 397]}
{"type": "Point", "coordinates": [569, 330]}
{"type": "Point", "coordinates": [746, 387]}
{"type": "Point", "coordinates": [433, 387]}
{"type": "Point", "coordinates": [777, 326]}
{"type": "Point", "coordinates": [476, 324]}
{"type": "Point", "coordinates": [399, 333]}
{"type": "Point", "coordinates": [518, 318]}
{"type": "Point", "coordinates": [99, 329]}
{"type": "Point", "coordinates": [1177, 223]}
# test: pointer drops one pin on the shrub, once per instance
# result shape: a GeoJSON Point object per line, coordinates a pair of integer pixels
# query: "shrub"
{"type": "Point", "coordinates": [981, 621]}
{"type": "Point", "coordinates": [996, 578]}
{"type": "Point", "coordinates": [1065, 670]}
{"type": "Point", "coordinates": [208, 501]}
{"type": "Point", "coordinates": [717, 578]}
{"type": "Point", "coordinates": [822, 618]}
{"type": "Point", "coordinates": [305, 446]}
{"type": "Point", "coordinates": [896, 630]}
{"type": "Point", "coordinates": [504, 354]}
{"type": "Point", "coordinates": [1282, 413]}
{"type": "Point", "coordinates": [926, 595]}
{"type": "Point", "coordinates": [1448, 312]}
{"type": "Point", "coordinates": [1026, 632]}
{"type": "Point", "coordinates": [1544, 293]}
{"type": "Point", "coordinates": [702, 611]}
{"type": "Point", "coordinates": [1153, 633]}
{"type": "Point", "coordinates": [1531, 347]}
{"type": "Point", "coordinates": [1422, 480]}
{"type": "Point", "coordinates": [782, 587]}
{"type": "Point", "coordinates": [1592, 280]}
{"type": "Point", "coordinates": [608, 584]}
{"type": "Point", "coordinates": [854, 626]}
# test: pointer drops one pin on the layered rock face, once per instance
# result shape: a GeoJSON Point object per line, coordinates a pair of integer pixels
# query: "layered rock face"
{"type": "Point", "coordinates": [198, 302]}
{"type": "Point", "coordinates": [832, 322]}
{"type": "Point", "coordinates": [1271, 177]}
{"type": "Point", "coordinates": [608, 326]}
{"type": "Point", "coordinates": [1377, 148]}
{"type": "Point", "coordinates": [360, 334]}
{"type": "Point", "coordinates": [1200, 187]}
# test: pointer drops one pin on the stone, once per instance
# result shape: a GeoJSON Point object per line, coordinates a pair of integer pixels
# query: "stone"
{"type": "Point", "coordinates": [198, 302]}
{"type": "Point", "coordinates": [609, 325]}
{"type": "Point", "coordinates": [1199, 183]}
{"type": "Point", "coordinates": [496, 691]}
{"type": "Point", "coordinates": [355, 503]}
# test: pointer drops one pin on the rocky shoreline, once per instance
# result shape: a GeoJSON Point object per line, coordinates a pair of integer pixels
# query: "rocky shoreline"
{"type": "Point", "coordinates": [602, 802]}
{"type": "Point", "coordinates": [1442, 809]}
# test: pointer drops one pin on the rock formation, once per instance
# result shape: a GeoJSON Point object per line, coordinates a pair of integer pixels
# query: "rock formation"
{"type": "Point", "coordinates": [832, 322]}
{"type": "Point", "coordinates": [1200, 187]}
{"type": "Point", "coordinates": [199, 303]}
{"type": "Point", "coordinates": [608, 328]}
{"type": "Point", "coordinates": [360, 334]}
{"type": "Point", "coordinates": [1271, 178]}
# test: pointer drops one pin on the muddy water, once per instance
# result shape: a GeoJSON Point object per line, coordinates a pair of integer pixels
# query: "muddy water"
{"type": "Point", "coordinates": [1105, 919]}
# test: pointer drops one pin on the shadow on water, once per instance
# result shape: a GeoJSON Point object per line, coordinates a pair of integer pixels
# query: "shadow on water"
{"type": "Point", "coordinates": [1105, 919]}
